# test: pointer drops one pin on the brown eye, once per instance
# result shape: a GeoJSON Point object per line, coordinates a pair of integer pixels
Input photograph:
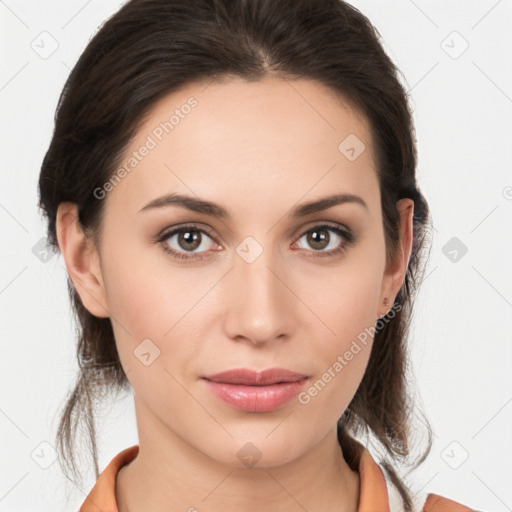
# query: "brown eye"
{"type": "Point", "coordinates": [183, 242]}
{"type": "Point", "coordinates": [320, 238]}
{"type": "Point", "coordinates": [189, 239]}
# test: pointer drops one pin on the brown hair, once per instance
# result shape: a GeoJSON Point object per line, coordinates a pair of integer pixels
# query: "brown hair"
{"type": "Point", "coordinates": [151, 48]}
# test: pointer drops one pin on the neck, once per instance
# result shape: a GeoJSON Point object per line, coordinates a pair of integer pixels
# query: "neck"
{"type": "Point", "coordinates": [171, 475]}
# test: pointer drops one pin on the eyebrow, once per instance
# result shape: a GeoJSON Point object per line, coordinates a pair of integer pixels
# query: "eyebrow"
{"type": "Point", "coordinates": [209, 208]}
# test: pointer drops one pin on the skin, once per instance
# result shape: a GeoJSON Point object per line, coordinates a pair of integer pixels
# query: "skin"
{"type": "Point", "coordinates": [258, 149]}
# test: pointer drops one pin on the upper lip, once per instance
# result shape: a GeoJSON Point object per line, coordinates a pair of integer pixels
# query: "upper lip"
{"type": "Point", "coordinates": [249, 377]}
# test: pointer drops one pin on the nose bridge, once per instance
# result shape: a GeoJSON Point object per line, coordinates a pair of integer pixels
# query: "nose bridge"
{"type": "Point", "coordinates": [260, 301]}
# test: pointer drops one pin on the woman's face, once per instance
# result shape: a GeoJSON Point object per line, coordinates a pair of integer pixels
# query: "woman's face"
{"type": "Point", "coordinates": [268, 284]}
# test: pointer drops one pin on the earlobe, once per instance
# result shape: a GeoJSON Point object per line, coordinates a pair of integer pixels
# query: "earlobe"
{"type": "Point", "coordinates": [82, 260]}
{"type": "Point", "coordinates": [396, 270]}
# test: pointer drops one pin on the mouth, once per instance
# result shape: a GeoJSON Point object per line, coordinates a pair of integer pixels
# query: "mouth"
{"type": "Point", "coordinates": [252, 391]}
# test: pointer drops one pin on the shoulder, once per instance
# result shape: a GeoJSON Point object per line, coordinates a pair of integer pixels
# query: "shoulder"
{"type": "Point", "coordinates": [423, 502]}
{"type": "Point", "coordinates": [378, 491]}
{"type": "Point", "coordinates": [103, 495]}
{"type": "Point", "coordinates": [436, 503]}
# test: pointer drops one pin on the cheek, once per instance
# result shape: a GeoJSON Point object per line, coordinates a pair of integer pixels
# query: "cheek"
{"type": "Point", "coordinates": [341, 353]}
{"type": "Point", "coordinates": [329, 394]}
{"type": "Point", "coordinates": [347, 307]}
{"type": "Point", "coordinates": [348, 302]}
{"type": "Point", "coordinates": [151, 300]}
{"type": "Point", "coordinates": [142, 293]}
{"type": "Point", "coordinates": [138, 307]}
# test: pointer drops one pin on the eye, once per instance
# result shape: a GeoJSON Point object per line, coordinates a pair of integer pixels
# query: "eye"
{"type": "Point", "coordinates": [188, 240]}
{"type": "Point", "coordinates": [191, 241]}
{"type": "Point", "coordinates": [319, 239]}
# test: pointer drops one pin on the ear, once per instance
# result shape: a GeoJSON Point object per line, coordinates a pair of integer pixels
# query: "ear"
{"type": "Point", "coordinates": [82, 260]}
{"type": "Point", "coordinates": [394, 274]}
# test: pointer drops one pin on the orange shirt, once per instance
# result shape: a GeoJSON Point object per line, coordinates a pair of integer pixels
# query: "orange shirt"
{"type": "Point", "coordinates": [373, 495]}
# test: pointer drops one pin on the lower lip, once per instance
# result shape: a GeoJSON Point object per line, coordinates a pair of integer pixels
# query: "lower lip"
{"type": "Point", "coordinates": [256, 398]}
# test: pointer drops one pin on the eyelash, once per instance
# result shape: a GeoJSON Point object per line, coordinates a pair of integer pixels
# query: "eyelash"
{"type": "Point", "coordinates": [347, 235]}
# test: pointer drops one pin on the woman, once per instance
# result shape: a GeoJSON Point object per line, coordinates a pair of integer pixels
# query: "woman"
{"type": "Point", "coordinates": [232, 187]}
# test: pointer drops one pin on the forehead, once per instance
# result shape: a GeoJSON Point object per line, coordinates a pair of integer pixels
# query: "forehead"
{"type": "Point", "coordinates": [234, 139]}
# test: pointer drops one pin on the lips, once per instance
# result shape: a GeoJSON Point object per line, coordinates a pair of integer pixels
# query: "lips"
{"type": "Point", "coordinates": [249, 377]}
{"type": "Point", "coordinates": [255, 391]}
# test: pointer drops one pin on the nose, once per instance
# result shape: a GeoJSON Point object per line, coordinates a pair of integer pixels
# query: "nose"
{"type": "Point", "coordinates": [260, 306]}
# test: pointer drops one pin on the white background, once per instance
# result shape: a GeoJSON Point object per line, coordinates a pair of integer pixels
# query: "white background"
{"type": "Point", "coordinates": [461, 338]}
